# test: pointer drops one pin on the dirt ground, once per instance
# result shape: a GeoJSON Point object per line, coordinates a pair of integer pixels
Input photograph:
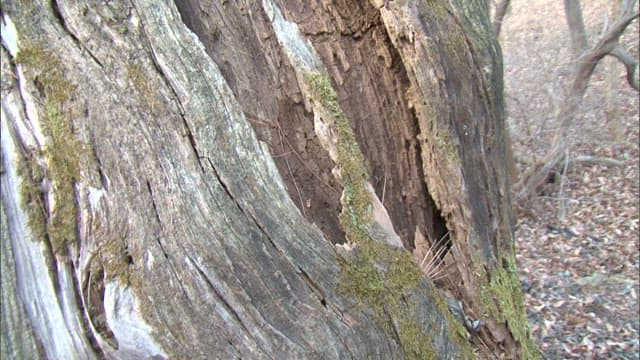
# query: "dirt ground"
{"type": "Point", "coordinates": [578, 247]}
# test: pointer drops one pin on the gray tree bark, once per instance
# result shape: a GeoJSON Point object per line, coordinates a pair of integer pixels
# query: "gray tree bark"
{"type": "Point", "coordinates": [221, 179]}
{"type": "Point", "coordinates": [577, 31]}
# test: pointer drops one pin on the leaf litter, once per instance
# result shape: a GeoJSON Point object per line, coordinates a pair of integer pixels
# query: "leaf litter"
{"type": "Point", "coordinates": [580, 269]}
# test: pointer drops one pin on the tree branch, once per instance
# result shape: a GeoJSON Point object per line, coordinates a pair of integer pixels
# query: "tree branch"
{"type": "Point", "coordinates": [498, 17]}
{"type": "Point", "coordinates": [630, 63]}
{"type": "Point", "coordinates": [586, 63]}
{"type": "Point", "coordinates": [594, 160]}
{"type": "Point", "coordinates": [609, 40]}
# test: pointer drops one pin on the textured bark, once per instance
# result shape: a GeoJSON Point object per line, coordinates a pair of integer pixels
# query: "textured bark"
{"type": "Point", "coordinates": [176, 178]}
{"type": "Point", "coordinates": [17, 337]}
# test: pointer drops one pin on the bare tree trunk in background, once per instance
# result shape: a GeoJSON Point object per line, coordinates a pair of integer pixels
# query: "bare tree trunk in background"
{"type": "Point", "coordinates": [577, 31]}
{"type": "Point", "coordinates": [230, 179]}
{"type": "Point", "coordinates": [612, 86]}
{"type": "Point", "coordinates": [499, 14]}
{"type": "Point", "coordinates": [607, 44]}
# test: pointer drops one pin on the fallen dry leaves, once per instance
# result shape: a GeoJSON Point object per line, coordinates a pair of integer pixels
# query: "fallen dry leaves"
{"type": "Point", "coordinates": [580, 271]}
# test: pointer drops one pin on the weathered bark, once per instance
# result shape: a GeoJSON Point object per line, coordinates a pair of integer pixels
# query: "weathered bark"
{"type": "Point", "coordinates": [176, 178]}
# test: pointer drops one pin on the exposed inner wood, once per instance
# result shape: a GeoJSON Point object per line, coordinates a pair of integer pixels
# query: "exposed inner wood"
{"type": "Point", "coordinates": [361, 60]}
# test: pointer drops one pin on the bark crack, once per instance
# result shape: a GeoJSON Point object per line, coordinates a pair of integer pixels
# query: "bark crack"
{"type": "Point", "coordinates": [434, 221]}
{"type": "Point", "coordinates": [192, 142]}
{"type": "Point", "coordinates": [55, 7]}
{"type": "Point", "coordinates": [247, 214]}
{"type": "Point", "coordinates": [187, 128]}
{"type": "Point", "coordinates": [164, 252]}
{"type": "Point", "coordinates": [230, 309]}
{"type": "Point", "coordinates": [315, 289]}
{"type": "Point", "coordinates": [85, 321]}
{"type": "Point", "coordinates": [224, 186]}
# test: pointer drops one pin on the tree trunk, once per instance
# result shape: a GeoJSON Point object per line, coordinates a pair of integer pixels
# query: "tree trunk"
{"type": "Point", "coordinates": [222, 179]}
{"type": "Point", "coordinates": [577, 31]}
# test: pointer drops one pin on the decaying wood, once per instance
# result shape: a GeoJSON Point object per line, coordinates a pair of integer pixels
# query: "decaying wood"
{"type": "Point", "coordinates": [175, 136]}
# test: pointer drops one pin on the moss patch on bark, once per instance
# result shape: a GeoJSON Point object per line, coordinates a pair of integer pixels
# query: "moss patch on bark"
{"type": "Point", "coordinates": [378, 276]}
{"type": "Point", "coordinates": [61, 153]}
{"type": "Point", "coordinates": [504, 300]}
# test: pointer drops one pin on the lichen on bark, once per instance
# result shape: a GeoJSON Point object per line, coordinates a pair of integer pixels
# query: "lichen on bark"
{"type": "Point", "coordinates": [61, 153]}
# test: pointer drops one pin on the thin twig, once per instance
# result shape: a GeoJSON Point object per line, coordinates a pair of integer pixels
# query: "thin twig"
{"type": "Point", "coordinates": [384, 186]}
{"type": "Point", "coordinates": [293, 179]}
{"type": "Point", "coordinates": [562, 211]}
{"type": "Point", "coordinates": [255, 119]}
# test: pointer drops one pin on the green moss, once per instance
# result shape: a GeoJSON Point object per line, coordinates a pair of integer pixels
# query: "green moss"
{"type": "Point", "coordinates": [458, 329]}
{"type": "Point", "coordinates": [357, 201]}
{"type": "Point", "coordinates": [116, 262]}
{"type": "Point", "coordinates": [49, 72]}
{"type": "Point", "coordinates": [63, 150]}
{"type": "Point", "coordinates": [412, 334]}
{"type": "Point", "coordinates": [448, 149]}
{"type": "Point", "coordinates": [505, 302]}
{"type": "Point", "coordinates": [122, 29]}
{"type": "Point", "coordinates": [378, 276]}
{"type": "Point", "coordinates": [63, 154]}
{"type": "Point", "coordinates": [32, 175]}
{"type": "Point", "coordinates": [455, 45]}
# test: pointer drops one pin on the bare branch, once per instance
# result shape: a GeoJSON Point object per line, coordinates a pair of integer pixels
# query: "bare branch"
{"type": "Point", "coordinates": [630, 63]}
{"type": "Point", "coordinates": [498, 17]}
{"type": "Point", "coordinates": [593, 160]}
{"type": "Point", "coordinates": [586, 64]}
{"type": "Point", "coordinates": [609, 40]}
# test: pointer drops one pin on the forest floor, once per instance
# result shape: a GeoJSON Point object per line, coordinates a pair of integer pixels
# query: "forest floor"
{"type": "Point", "coordinates": [578, 240]}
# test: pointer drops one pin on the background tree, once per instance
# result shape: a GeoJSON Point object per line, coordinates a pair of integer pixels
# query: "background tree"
{"type": "Point", "coordinates": [590, 196]}
{"type": "Point", "coordinates": [586, 61]}
{"type": "Point", "coordinates": [231, 179]}
{"type": "Point", "coordinates": [499, 13]}
{"type": "Point", "coordinates": [575, 23]}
